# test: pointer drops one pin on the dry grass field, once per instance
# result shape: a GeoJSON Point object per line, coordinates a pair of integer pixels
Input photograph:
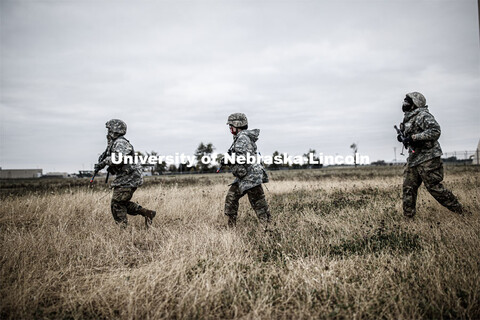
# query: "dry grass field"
{"type": "Point", "coordinates": [339, 247]}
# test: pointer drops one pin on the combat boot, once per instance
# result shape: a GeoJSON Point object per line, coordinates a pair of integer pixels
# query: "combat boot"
{"type": "Point", "coordinates": [409, 217]}
{"type": "Point", "coordinates": [266, 223]}
{"type": "Point", "coordinates": [232, 221]}
{"type": "Point", "coordinates": [149, 215]}
{"type": "Point", "coordinates": [460, 210]}
{"type": "Point", "coordinates": [122, 224]}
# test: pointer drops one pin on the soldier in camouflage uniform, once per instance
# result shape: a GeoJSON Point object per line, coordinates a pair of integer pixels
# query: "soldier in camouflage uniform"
{"type": "Point", "coordinates": [127, 176]}
{"type": "Point", "coordinates": [423, 165]}
{"type": "Point", "coordinates": [248, 177]}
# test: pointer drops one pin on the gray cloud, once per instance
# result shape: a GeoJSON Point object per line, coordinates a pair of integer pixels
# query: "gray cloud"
{"type": "Point", "coordinates": [310, 74]}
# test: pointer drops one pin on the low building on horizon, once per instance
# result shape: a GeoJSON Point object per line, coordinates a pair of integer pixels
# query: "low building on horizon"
{"type": "Point", "coordinates": [476, 156]}
{"type": "Point", "coordinates": [20, 173]}
{"type": "Point", "coordinates": [57, 175]}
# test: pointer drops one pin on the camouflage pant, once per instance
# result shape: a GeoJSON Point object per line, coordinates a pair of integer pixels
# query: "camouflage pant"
{"type": "Point", "coordinates": [121, 204]}
{"type": "Point", "coordinates": [256, 196]}
{"type": "Point", "coordinates": [431, 174]}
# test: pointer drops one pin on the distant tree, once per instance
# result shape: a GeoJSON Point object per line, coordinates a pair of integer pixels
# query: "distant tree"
{"type": "Point", "coordinates": [183, 167]}
{"type": "Point", "coordinates": [160, 168]}
{"type": "Point", "coordinates": [172, 168]}
{"type": "Point", "coordinates": [354, 148]}
{"type": "Point", "coordinates": [202, 151]}
{"type": "Point", "coordinates": [296, 165]}
{"type": "Point", "coordinates": [315, 158]}
{"type": "Point", "coordinates": [273, 165]}
{"type": "Point", "coordinates": [157, 168]}
{"type": "Point", "coordinates": [285, 164]}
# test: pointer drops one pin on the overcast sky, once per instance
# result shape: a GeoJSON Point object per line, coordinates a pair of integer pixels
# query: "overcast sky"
{"type": "Point", "coordinates": [309, 74]}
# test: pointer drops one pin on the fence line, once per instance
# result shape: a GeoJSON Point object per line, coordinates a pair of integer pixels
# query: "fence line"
{"type": "Point", "coordinates": [466, 157]}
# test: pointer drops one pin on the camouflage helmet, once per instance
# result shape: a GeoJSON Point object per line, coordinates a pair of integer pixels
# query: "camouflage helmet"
{"type": "Point", "coordinates": [237, 120]}
{"type": "Point", "coordinates": [116, 126]}
{"type": "Point", "coordinates": [418, 99]}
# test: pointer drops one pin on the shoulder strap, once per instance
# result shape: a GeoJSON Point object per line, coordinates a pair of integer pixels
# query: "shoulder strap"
{"type": "Point", "coordinates": [121, 137]}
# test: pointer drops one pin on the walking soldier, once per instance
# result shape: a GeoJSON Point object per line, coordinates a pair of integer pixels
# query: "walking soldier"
{"type": "Point", "coordinates": [127, 176]}
{"type": "Point", "coordinates": [419, 133]}
{"type": "Point", "coordinates": [248, 177]}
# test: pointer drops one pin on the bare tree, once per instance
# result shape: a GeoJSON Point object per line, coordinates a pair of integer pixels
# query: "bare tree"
{"type": "Point", "coordinates": [354, 148]}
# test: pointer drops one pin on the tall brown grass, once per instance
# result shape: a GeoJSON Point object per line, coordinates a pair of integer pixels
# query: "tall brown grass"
{"type": "Point", "coordinates": [339, 247]}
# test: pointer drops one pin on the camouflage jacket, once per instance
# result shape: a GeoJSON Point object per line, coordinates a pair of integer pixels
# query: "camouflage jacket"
{"type": "Point", "coordinates": [425, 131]}
{"type": "Point", "coordinates": [247, 175]}
{"type": "Point", "coordinates": [126, 175]}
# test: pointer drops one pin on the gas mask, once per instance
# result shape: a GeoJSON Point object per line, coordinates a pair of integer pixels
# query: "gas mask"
{"type": "Point", "coordinates": [407, 104]}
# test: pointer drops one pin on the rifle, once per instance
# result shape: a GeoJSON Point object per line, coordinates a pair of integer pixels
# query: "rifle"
{"type": "Point", "coordinates": [230, 151]}
{"type": "Point", "coordinates": [100, 159]}
{"type": "Point", "coordinates": [403, 138]}
{"type": "Point", "coordinates": [222, 164]}
{"type": "Point", "coordinates": [95, 173]}
{"type": "Point", "coordinates": [93, 177]}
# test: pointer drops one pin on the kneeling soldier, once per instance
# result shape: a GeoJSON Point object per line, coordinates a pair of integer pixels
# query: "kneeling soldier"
{"type": "Point", "coordinates": [421, 133]}
{"type": "Point", "coordinates": [248, 177]}
{"type": "Point", "coordinates": [127, 176]}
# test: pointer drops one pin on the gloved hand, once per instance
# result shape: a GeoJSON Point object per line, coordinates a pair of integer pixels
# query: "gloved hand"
{"type": "Point", "coordinates": [99, 166]}
{"type": "Point", "coordinates": [408, 141]}
{"type": "Point", "coordinates": [399, 138]}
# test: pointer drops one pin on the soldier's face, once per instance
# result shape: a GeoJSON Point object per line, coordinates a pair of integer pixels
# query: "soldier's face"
{"type": "Point", "coordinates": [110, 135]}
{"type": "Point", "coordinates": [233, 130]}
{"type": "Point", "coordinates": [407, 104]}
